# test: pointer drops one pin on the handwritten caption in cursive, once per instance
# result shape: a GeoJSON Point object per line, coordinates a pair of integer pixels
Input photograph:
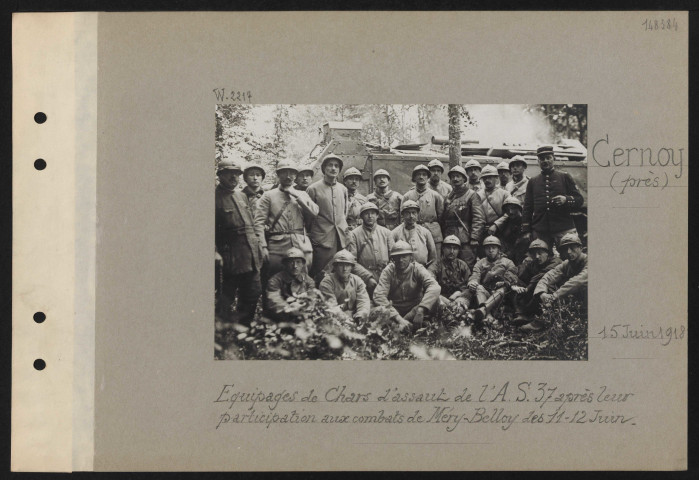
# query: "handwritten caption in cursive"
{"type": "Point", "coordinates": [665, 335]}
{"type": "Point", "coordinates": [501, 405]}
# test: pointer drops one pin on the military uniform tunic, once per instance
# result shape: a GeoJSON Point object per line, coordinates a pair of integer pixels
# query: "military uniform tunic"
{"type": "Point", "coordinates": [389, 207]}
{"type": "Point", "coordinates": [350, 296]}
{"type": "Point", "coordinates": [452, 276]}
{"type": "Point", "coordinates": [420, 239]}
{"type": "Point", "coordinates": [282, 286]}
{"type": "Point", "coordinates": [463, 217]}
{"type": "Point", "coordinates": [571, 276]}
{"type": "Point", "coordinates": [492, 205]}
{"type": "Point", "coordinates": [540, 214]}
{"type": "Point", "coordinates": [371, 248]}
{"type": "Point", "coordinates": [405, 291]}
{"type": "Point", "coordinates": [431, 210]}
{"type": "Point", "coordinates": [486, 274]}
{"type": "Point", "coordinates": [356, 200]}
{"type": "Point", "coordinates": [442, 188]}
{"type": "Point", "coordinates": [329, 230]}
{"type": "Point", "coordinates": [518, 189]}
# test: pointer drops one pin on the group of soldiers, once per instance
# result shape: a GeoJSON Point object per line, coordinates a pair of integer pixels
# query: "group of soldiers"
{"type": "Point", "coordinates": [490, 235]}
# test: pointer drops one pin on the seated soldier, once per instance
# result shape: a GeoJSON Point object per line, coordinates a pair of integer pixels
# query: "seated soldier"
{"type": "Point", "coordinates": [491, 278]}
{"type": "Point", "coordinates": [417, 236]}
{"type": "Point", "coordinates": [514, 243]}
{"type": "Point", "coordinates": [406, 287]}
{"type": "Point", "coordinates": [291, 281]}
{"type": "Point", "coordinates": [343, 291]}
{"type": "Point", "coordinates": [533, 268]}
{"type": "Point", "coordinates": [569, 279]}
{"type": "Point", "coordinates": [371, 244]}
{"type": "Point", "coordinates": [452, 273]}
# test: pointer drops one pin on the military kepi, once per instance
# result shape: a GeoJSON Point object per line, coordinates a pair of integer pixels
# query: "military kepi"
{"type": "Point", "coordinates": [543, 150]}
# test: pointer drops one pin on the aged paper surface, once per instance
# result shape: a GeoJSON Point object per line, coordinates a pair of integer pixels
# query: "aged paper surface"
{"type": "Point", "coordinates": [159, 395]}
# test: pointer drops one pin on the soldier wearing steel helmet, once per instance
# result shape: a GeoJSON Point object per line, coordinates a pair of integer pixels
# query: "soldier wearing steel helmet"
{"type": "Point", "coordinates": [436, 183]}
{"type": "Point", "coordinates": [386, 199]}
{"type": "Point", "coordinates": [492, 199]}
{"type": "Point", "coordinates": [280, 219]}
{"type": "Point", "coordinates": [490, 280]}
{"type": "Point", "coordinates": [517, 187]}
{"type": "Point", "coordinates": [539, 262]}
{"type": "Point", "coordinates": [406, 288]}
{"type": "Point", "coordinates": [371, 245]}
{"type": "Point", "coordinates": [514, 244]}
{"type": "Point", "coordinates": [452, 273]}
{"type": "Point", "coordinates": [329, 230]}
{"type": "Point", "coordinates": [303, 178]}
{"type": "Point", "coordinates": [238, 247]}
{"type": "Point", "coordinates": [417, 236]}
{"type": "Point", "coordinates": [504, 174]}
{"type": "Point", "coordinates": [253, 175]}
{"type": "Point", "coordinates": [343, 291]}
{"type": "Point", "coordinates": [473, 172]}
{"type": "Point", "coordinates": [430, 202]}
{"type": "Point", "coordinates": [352, 178]}
{"type": "Point", "coordinates": [292, 281]}
{"type": "Point", "coordinates": [463, 215]}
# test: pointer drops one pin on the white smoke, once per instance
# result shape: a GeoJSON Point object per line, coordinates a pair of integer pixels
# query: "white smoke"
{"type": "Point", "coordinates": [506, 124]}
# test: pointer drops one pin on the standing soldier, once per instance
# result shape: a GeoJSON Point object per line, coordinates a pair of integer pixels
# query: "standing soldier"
{"type": "Point", "coordinates": [430, 202]}
{"type": "Point", "coordinates": [292, 280]}
{"type": "Point", "coordinates": [490, 280]}
{"type": "Point", "coordinates": [452, 273]}
{"type": "Point", "coordinates": [237, 246]}
{"type": "Point", "coordinates": [303, 178]}
{"type": "Point", "coordinates": [329, 230]}
{"type": "Point", "coordinates": [371, 244]}
{"type": "Point", "coordinates": [352, 178]}
{"type": "Point", "coordinates": [517, 187]}
{"type": "Point", "coordinates": [406, 287]}
{"type": "Point", "coordinates": [549, 199]}
{"type": "Point", "coordinates": [253, 176]}
{"type": "Point", "coordinates": [473, 172]}
{"type": "Point", "coordinates": [492, 198]}
{"type": "Point", "coordinates": [387, 200]}
{"type": "Point", "coordinates": [463, 215]}
{"type": "Point", "coordinates": [534, 267]}
{"type": "Point", "coordinates": [514, 244]}
{"type": "Point", "coordinates": [417, 236]}
{"type": "Point", "coordinates": [344, 291]}
{"type": "Point", "coordinates": [436, 183]}
{"type": "Point", "coordinates": [280, 217]}
{"type": "Point", "coordinates": [504, 173]}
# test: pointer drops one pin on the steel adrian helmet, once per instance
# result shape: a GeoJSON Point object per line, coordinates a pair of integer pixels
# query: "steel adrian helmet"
{"type": "Point", "coordinates": [518, 159]}
{"type": "Point", "coordinates": [306, 168]}
{"type": "Point", "coordinates": [286, 165]}
{"type": "Point", "coordinates": [503, 166]}
{"type": "Point", "coordinates": [451, 240]}
{"type": "Point", "coordinates": [401, 248]}
{"type": "Point", "coordinates": [409, 204]}
{"type": "Point", "coordinates": [420, 168]}
{"type": "Point", "coordinates": [473, 163]}
{"type": "Point", "coordinates": [343, 256]}
{"type": "Point", "coordinates": [330, 157]}
{"type": "Point", "coordinates": [351, 172]}
{"type": "Point", "coordinates": [228, 165]}
{"type": "Point", "coordinates": [458, 169]}
{"type": "Point", "coordinates": [489, 171]}
{"type": "Point", "coordinates": [383, 172]}
{"type": "Point", "coordinates": [368, 206]}
{"type": "Point", "coordinates": [539, 244]}
{"type": "Point", "coordinates": [512, 201]}
{"type": "Point", "coordinates": [570, 239]}
{"type": "Point", "coordinates": [252, 166]}
{"type": "Point", "coordinates": [294, 253]}
{"type": "Point", "coordinates": [543, 150]}
{"type": "Point", "coordinates": [492, 240]}
{"type": "Point", "coordinates": [435, 164]}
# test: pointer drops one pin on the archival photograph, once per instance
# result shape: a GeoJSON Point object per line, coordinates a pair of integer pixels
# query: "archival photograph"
{"type": "Point", "coordinates": [400, 232]}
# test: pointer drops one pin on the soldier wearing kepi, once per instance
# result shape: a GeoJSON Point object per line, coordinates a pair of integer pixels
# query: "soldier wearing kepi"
{"type": "Point", "coordinates": [253, 176]}
{"type": "Point", "coordinates": [352, 178]}
{"type": "Point", "coordinates": [569, 279]}
{"type": "Point", "coordinates": [291, 281]}
{"type": "Point", "coordinates": [430, 202]}
{"type": "Point", "coordinates": [452, 274]}
{"type": "Point", "coordinates": [463, 216]}
{"type": "Point", "coordinates": [517, 187]}
{"type": "Point", "coordinates": [303, 178]}
{"type": "Point", "coordinates": [344, 291]}
{"type": "Point", "coordinates": [504, 173]}
{"type": "Point", "coordinates": [473, 172]}
{"type": "Point", "coordinates": [550, 198]}
{"type": "Point", "coordinates": [371, 245]}
{"type": "Point", "coordinates": [280, 217]}
{"type": "Point", "coordinates": [436, 183]}
{"type": "Point", "coordinates": [490, 280]}
{"type": "Point", "coordinates": [387, 200]}
{"type": "Point", "coordinates": [238, 248]}
{"type": "Point", "coordinates": [533, 268]}
{"type": "Point", "coordinates": [417, 236]}
{"type": "Point", "coordinates": [492, 199]}
{"type": "Point", "coordinates": [329, 230]}
{"type": "Point", "coordinates": [406, 287]}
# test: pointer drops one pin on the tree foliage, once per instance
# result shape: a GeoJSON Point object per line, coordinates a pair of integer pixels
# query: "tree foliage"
{"type": "Point", "coordinates": [566, 121]}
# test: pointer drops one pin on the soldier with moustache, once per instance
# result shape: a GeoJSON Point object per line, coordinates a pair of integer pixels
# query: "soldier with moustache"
{"type": "Point", "coordinates": [473, 172]}
{"type": "Point", "coordinates": [492, 199]}
{"type": "Point", "coordinates": [417, 236]}
{"type": "Point", "coordinates": [352, 178]}
{"type": "Point", "coordinates": [504, 174]}
{"type": "Point", "coordinates": [386, 199]}
{"type": "Point", "coordinates": [344, 291]}
{"type": "Point", "coordinates": [430, 202]}
{"type": "Point", "coordinates": [303, 178]}
{"type": "Point", "coordinates": [436, 183]}
{"type": "Point", "coordinates": [452, 273]}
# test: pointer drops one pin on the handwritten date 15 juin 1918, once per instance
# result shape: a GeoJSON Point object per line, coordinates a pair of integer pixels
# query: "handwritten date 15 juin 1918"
{"type": "Point", "coordinates": [629, 332]}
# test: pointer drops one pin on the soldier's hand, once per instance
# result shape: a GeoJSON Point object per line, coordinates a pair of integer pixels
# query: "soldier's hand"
{"type": "Point", "coordinates": [559, 200]}
{"type": "Point", "coordinates": [499, 284]}
{"type": "Point", "coordinates": [518, 289]}
{"type": "Point", "coordinates": [360, 317]}
{"type": "Point", "coordinates": [472, 286]}
{"type": "Point", "coordinates": [455, 295]}
{"type": "Point", "coordinates": [546, 298]}
{"type": "Point", "coordinates": [402, 322]}
{"type": "Point", "coordinates": [463, 301]}
{"type": "Point", "coordinates": [492, 230]}
{"type": "Point", "coordinates": [219, 259]}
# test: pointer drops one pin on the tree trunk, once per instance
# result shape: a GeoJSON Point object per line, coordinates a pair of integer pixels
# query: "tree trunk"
{"type": "Point", "coordinates": [454, 135]}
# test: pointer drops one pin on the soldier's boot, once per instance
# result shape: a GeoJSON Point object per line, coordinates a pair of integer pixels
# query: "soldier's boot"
{"type": "Point", "coordinates": [521, 319]}
{"type": "Point", "coordinates": [533, 326]}
{"type": "Point", "coordinates": [490, 303]}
